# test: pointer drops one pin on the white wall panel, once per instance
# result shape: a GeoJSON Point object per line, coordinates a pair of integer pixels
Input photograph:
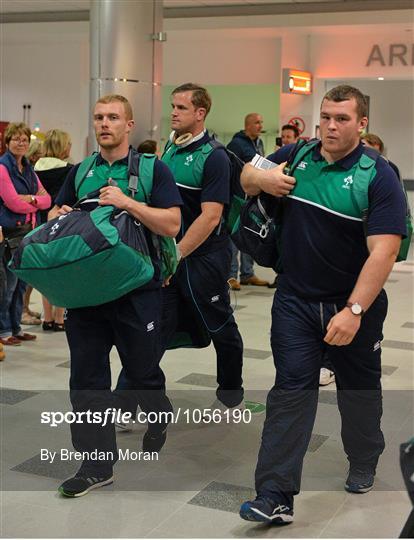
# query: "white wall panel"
{"type": "Point", "coordinates": [217, 58]}
{"type": "Point", "coordinates": [47, 65]}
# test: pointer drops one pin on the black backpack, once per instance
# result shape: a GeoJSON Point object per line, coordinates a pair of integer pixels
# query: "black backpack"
{"type": "Point", "coordinates": [258, 230]}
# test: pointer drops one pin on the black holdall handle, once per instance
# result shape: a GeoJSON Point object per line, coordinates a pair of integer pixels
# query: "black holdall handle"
{"type": "Point", "coordinates": [133, 160]}
{"type": "Point", "coordinates": [91, 195]}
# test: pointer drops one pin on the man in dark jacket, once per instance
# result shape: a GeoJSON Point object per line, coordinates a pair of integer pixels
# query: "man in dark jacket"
{"type": "Point", "coordinates": [246, 144]}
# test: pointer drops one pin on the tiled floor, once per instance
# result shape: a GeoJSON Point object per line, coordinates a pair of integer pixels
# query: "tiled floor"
{"type": "Point", "coordinates": [204, 472]}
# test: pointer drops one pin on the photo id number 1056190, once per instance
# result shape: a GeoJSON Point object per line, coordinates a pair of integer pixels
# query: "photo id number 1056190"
{"type": "Point", "coordinates": [217, 416]}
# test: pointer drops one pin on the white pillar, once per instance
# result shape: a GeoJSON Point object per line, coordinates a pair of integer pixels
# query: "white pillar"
{"type": "Point", "coordinates": [126, 58]}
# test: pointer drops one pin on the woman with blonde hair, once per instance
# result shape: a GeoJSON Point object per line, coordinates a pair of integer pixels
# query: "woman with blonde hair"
{"type": "Point", "coordinates": [35, 151]}
{"type": "Point", "coordinates": [52, 170]}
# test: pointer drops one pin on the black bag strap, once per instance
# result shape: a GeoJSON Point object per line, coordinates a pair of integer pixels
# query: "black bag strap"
{"type": "Point", "coordinates": [301, 149]}
{"type": "Point", "coordinates": [133, 164]}
{"type": "Point", "coordinates": [141, 172]}
{"type": "Point", "coordinates": [214, 143]}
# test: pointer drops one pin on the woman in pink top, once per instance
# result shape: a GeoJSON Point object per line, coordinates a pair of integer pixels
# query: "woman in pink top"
{"type": "Point", "coordinates": [21, 196]}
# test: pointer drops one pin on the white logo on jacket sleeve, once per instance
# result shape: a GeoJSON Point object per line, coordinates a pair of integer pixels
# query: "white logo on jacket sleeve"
{"type": "Point", "coordinates": [150, 326]}
{"type": "Point", "coordinates": [215, 298]}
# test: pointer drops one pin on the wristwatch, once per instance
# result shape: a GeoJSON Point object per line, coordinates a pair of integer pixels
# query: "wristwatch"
{"type": "Point", "coordinates": [355, 308]}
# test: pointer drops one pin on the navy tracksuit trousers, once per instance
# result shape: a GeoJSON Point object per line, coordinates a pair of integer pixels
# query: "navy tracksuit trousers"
{"type": "Point", "coordinates": [298, 329]}
{"type": "Point", "coordinates": [198, 296]}
{"type": "Point", "coordinates": [133, 325]}
{"type": "Point", "coordinates": [200, 288]}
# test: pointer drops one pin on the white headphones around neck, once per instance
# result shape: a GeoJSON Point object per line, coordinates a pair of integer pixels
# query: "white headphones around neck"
{"type": "Point", "coordinates": [185, 139]}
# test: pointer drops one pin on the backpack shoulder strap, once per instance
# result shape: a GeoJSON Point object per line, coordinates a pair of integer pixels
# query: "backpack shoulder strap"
{"type": "Point", "coordinates": [369, 158]}
{"type": "Point", "coordinates": [364, 173]}
{"type": "Point", "coordinates": [214, 143]}
{"type": "Point", "coordinates": [146, 174]}
{"type": "Point", "coordinates": [301, 149]}
{"type": "Point", "coordinates": [206, 148]}
{"type": "Point", "coordinates": [168, 145]}
{"type": "Point", "coordinates": [366, 163]}
{"type": "Point", "coordinates": [141, 171]}
{"type": "Point", "coordinates": [84, 167]}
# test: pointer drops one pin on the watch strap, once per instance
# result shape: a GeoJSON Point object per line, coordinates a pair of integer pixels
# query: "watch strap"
{"type": "Point", "coordinates": [350, 304]}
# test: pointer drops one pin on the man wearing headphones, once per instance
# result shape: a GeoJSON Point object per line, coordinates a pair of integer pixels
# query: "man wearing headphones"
{"type": "Point", "coordinates": [198, 294]}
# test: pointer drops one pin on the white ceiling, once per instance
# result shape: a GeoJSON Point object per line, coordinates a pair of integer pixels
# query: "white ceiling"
{"type": "Point", "coordinates": [30, 6]}
{"type": "Point", "coordinates": [19, 6]}
{"type": "Point", "coordinates": [215, 14]}
{"type": "Point", "coordinates": [199, 3]}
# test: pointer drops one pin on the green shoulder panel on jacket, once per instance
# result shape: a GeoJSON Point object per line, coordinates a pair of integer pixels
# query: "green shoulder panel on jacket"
{"type": "Point", "coordinates": [330, 187]}
{"type": "Point", "coordinates": [187, 166]}
{"type": "Point", "coordinates": [91, 177]}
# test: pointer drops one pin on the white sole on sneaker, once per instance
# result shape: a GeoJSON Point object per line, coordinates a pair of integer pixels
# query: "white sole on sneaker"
{"type": "Point", "coordinates": [90, 488]}
{"type": "Point", "coordinates": [359, 491]}
{"type": "Point", "coordinates": [326, 377]}
{"type": "Point", "coordinates": [277, 518]}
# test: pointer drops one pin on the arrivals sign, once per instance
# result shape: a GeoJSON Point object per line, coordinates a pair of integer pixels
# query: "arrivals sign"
{"type": "Point", "coordinates": [394, 54]}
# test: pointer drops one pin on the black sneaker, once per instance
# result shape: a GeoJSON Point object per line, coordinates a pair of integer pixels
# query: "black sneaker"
{"type": "Point", "coordinates": [264, 510]}
{"type": "Point", "coordinates": [77, 486]}
{"type": "Point", "coordinates": [153, 442]}
{"type": "Point", "coordinates": [360, 480]}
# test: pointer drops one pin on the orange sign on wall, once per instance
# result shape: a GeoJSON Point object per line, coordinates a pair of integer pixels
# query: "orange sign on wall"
{"type": "Point", "coordinates": [297, 82]}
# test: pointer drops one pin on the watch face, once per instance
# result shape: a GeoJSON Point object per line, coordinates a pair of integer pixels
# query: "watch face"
{"type": "Point", "coordinates": [356, 309]}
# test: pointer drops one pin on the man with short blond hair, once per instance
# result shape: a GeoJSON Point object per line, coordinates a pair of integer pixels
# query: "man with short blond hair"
{"type": "Point", "coordinates": [117, 98]}
{"type": "Point", "coordinates": [131, 323]}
